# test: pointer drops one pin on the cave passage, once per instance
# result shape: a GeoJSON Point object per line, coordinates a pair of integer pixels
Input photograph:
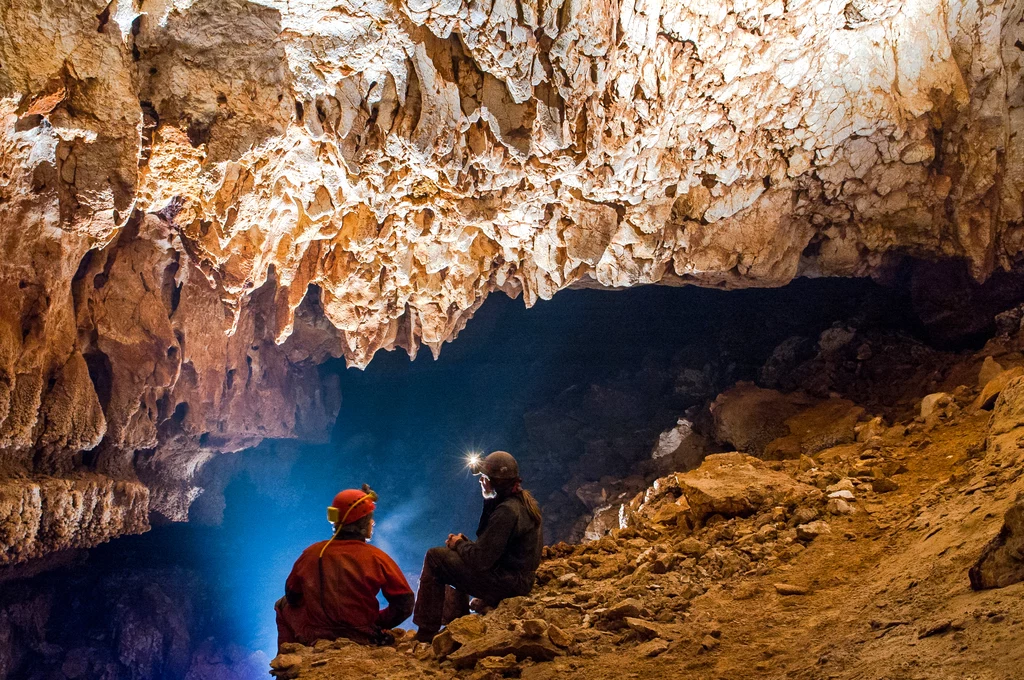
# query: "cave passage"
{"type": "Point", "coordinates": [522, 380]}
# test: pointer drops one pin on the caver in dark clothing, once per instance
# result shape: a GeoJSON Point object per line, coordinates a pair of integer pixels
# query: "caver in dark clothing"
{"type": "Point", "coordinates": [501, 563]}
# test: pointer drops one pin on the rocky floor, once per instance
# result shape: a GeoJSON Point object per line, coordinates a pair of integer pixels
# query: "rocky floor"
{"type": "Point", "coordinates": [848, 558]}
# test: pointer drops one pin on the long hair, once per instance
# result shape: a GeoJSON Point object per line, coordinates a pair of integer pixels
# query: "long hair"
{"type": "Point", "coordinates": [514, 487]}
{"type": "Point", "coordinates": [532, 507]}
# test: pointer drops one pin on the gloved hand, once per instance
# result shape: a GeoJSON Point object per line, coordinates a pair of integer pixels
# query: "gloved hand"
{"type": "Point", "coordinates": [384, 638]}
{"type": "Point", "coordinates": [453, 540]}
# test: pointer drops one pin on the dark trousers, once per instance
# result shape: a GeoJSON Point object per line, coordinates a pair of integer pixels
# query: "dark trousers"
{"type": "Point", "coordinates": [447, 583]}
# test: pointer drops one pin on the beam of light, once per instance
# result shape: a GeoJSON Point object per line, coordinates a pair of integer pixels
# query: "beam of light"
{"type": "Point", "coordinates": [473, 461]}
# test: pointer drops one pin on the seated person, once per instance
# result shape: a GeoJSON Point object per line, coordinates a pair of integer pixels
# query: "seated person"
{"type": "Point", "coordinates": [332, 590]}
{"type": "Point", "coordinates": [501, 563]}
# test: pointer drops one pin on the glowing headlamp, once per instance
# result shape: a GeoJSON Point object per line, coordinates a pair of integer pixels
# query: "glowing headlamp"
{"type": "Point", "coordinates": [473, 463]}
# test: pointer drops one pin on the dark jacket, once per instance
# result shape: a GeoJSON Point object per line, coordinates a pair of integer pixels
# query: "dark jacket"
{"type": "Point", "coordinates": [508, 545]}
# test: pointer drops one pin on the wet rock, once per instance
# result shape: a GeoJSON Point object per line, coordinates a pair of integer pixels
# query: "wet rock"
{"type": "Point", "coordinates": [1002, 561]}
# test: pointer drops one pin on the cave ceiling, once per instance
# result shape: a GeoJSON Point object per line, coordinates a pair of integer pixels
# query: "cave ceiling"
{"type": "Point", "coordinates": [201, 200]}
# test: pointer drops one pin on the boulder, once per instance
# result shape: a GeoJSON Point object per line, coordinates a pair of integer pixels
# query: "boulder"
{"type": "Point", "coordinates": [839, 506]}
{"type": "Point", "coordinates": [884, 485]}
{"type": "Point", "coordinates": [994, 386]}
{"type": "Point", "coordinates": [559, 637]}
{"type": "Point", "coordinates": [679, 448]}
{"type": "Point", "coordinates": [652, 648]}
{"type": "Point", "coordinates": [811, 530]}
{"type": "Point", "coordinates": [467, 628]}
{"type": "Point", "coordinates": [990, 368]}
{"type": "Point", "coordinates": [1002, 561]}
{"type": "Point", "coordinates": [443, 644]}
{"type": "Point", "coordinates": [502, 643]}
{"type": "Point", "coordinates": [497, 664]}
{"type": "Point", "coordinates": [535, 627]}
{"type": "Point", "coordinates": [933, 403]}
{"type": "Point", "coordinates": [605, 519]}
{"type": "Point", "coordinates": [628, 608]}
{"type": "Point", "coordinates": [748, 417]}
{"type": "Point", "coordinates": [872, 428]}
{"type": "Point", "coordinates": [1008, 411]}
{"type": "Point", "coordinates": [691, 547]}
{"type": "Point", "coordinates": [737, 485]}
{"type": "Point", "coordinates": [830, 423]}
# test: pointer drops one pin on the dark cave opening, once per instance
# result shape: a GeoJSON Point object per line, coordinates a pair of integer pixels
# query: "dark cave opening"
{"type": "Point", "coordinates": [579, 388]}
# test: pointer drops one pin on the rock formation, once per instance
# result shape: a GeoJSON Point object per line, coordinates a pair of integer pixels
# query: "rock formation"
{"type": "Point", "coordinates": [201, 199]}
{"type": "Point", "coordinates": [859, 552]}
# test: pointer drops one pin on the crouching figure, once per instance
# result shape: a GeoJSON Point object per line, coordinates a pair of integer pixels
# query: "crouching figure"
{"type": "Point", "coordinates": [501, 563]}
{"type": "Point", "coordinates": [332, 590]}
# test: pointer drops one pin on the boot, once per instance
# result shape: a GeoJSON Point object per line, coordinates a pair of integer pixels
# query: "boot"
{"type": "Point", "coordinates": [426, 634]}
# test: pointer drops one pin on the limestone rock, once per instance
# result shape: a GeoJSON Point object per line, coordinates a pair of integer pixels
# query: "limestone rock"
{"type": "Point", "coordinates": [1002, 562]}
{"type": "Point", "coordinates": [203, 200]}
{"type": "Point", "coordinates": [734, 484]}
{"type": "Point", "coordinates": [990, 368]}
{"type": "Point", "coordinates": [811, 530]}
{"type": "Point", "coordinates": [502, 643]}
{"type": "Point", "coordinates": [44, 514]}
{"type": "Point", "coordinates": [992, 388]}
{"type": "Point", "coordinates": [830, 423]}
{"type": "Point", "coordinates": [559, 637]}
{"type": "Point", "coordinates": [749, 417]}
{"type": "Point", "coordinates": [679, 448]}
{"type": "Point", "coordinates": [628, 608]}
{"type": "Point", "coordinates": [652, 647]}
{"type": "Point", "coordinates": [933, 403]}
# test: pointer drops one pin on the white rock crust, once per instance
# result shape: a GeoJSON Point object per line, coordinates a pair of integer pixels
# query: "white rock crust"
{"type": "Point", "coordinates": [409, 157]}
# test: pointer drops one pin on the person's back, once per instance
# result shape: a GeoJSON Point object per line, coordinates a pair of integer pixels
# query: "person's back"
{"type": "Point", "coordinates": [522, 553]}
{"type": "Point", "coordinates": [332, 589]}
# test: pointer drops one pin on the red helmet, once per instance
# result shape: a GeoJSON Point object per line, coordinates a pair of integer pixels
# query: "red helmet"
{"type": "Point", "coordinates": [351, 505]}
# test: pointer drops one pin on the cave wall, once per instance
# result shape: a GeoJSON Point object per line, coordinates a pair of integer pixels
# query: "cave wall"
{"type": "Point", "coordinates": [177, 176]}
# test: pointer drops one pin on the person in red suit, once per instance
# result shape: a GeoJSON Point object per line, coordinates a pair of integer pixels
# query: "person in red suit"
{"type": "Point", "coordinates": [332, 590]}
